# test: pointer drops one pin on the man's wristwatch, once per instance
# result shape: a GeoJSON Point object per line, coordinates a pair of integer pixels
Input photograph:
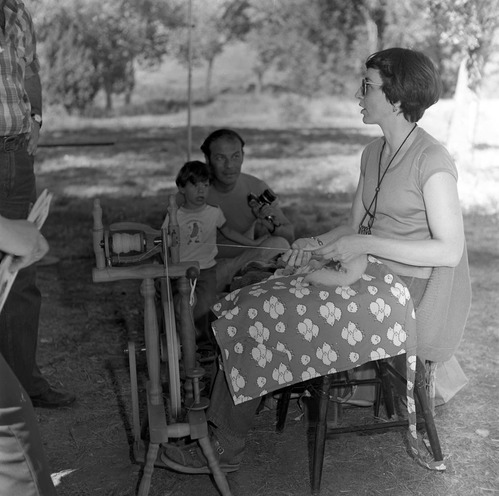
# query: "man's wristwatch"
{"type": "Point", "coordinates": [37, 118]}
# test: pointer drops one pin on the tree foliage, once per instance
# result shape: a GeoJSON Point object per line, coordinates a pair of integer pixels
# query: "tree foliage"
{"type": "Point", "coordinates": [465, 31]}
{"type": "Point", "coordinates": [215, 24]}
{"type": "Point", "coordinates": [93, 44]}
{"type": "Point", "coordinates": [315, 46]}
{"type": "Point", "coordinates": [312, 44]}
{"type": "Point", "coordinates": [69, 77]}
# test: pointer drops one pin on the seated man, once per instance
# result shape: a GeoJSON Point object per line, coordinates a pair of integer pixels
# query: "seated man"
{"type": "Point", "coordinates": [238, 195]}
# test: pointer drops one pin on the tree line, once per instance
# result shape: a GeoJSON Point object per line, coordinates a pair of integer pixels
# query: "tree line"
{"type": "Point", "coordinates": [319, 45]}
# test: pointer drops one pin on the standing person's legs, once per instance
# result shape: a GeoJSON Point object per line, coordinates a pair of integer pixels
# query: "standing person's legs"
{"type": "Point", "coordinates": [20, 316]}
{"type": "Point", "coordinates": [23, 467]}
{"type": "Point", "coordinates": [19, 331]}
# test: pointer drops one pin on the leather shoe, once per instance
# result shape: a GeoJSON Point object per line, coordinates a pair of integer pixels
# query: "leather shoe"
{"type": "Point", "coordinates": [53, 398]}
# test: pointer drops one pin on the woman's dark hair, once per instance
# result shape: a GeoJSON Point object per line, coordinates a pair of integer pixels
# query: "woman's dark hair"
{"type": "Point", "coordinates": [409, 77]}
{"type": "Point", "coordinates": [193, 172]}
{"type": "Point", "coordinates": [220, 133]}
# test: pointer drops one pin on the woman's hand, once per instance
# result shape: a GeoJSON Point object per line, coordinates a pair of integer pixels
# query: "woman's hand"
{"type": "Point", "coordinates": [25, 243]}
{"type": "Point", "coordinates": [345, 249]}
{"type": "Point", "coordinates": [300, 252]}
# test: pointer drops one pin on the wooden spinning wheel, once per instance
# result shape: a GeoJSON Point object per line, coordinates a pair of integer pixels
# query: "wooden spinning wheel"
{"type": "Point", "coordinates": [134, 251]}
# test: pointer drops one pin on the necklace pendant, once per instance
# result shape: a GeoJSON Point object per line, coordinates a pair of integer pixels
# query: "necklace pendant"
{"type": "Point", "coordinates": [364, 230]}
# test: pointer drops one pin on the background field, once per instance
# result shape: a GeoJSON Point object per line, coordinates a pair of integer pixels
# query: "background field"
{"type": "Point", "coordinates": [309, 152]}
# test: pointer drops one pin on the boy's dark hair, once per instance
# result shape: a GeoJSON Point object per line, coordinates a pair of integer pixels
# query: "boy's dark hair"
{"type": "Point", "coordinates": [409, 77]}
{"type": "Point", "coordinates": [220, 133]}
{"type": "Point", "coordinates": [193, 172]}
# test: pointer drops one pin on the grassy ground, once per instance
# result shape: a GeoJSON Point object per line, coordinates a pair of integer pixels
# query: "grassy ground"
{"type": "Point", "coordinates": [83, 331]}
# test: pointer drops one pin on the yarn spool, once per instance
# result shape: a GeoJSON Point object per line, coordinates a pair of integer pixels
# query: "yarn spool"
{"type": "Point", "coordinates": [125, 243]}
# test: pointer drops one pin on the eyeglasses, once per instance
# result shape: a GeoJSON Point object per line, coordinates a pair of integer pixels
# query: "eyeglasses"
{"type": "Point", "coordinates": [365, 84]}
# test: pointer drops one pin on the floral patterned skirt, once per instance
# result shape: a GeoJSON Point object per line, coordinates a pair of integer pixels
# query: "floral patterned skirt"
{"type": "Point", "coordinates": [282, 331]}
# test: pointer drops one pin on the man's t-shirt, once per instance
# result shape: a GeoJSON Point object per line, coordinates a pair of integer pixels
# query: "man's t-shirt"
{"type": "Point", "coordinates": [234, 205]}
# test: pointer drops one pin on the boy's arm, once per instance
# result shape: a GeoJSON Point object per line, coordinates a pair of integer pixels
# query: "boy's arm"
{"type": "Point", "coordinates": [237, 237]}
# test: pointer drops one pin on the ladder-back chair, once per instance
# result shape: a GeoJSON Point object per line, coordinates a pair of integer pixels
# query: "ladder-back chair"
{"type": "Point", "coordinates": [440, 321]}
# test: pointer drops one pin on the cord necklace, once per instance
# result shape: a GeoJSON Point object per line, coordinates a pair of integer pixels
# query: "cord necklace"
{"type": "Point", "coordinates": [367, 229]}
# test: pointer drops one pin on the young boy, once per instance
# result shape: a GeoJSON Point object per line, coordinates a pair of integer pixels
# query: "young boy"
{"type": "Point", "coordinates": [198, 224]}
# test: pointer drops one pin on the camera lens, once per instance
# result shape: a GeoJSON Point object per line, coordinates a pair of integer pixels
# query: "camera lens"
{"type": "Point", "coordinates": [268, 196]}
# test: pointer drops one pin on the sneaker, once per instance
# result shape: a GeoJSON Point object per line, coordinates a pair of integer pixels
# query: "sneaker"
{"type": "Point", "coordinates": [190, 459]}
{"type": "Point", "coordinates": [53, 398]}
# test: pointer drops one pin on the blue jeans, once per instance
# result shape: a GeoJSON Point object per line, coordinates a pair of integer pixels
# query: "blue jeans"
{"type": "Point", "coordinates": [20, 315]}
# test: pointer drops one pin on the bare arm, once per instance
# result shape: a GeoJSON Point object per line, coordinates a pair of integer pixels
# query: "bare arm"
{"type": "Point", "coordinates": [281, 226]}
{"type": "Point", "coordinates": [33, 88]}
{"type": "Point", "coordinates": [446, 226]}
{"type": "Point", "coordinates": [23, 240]}
{"type": "Point", "coordinates": [237, 237]}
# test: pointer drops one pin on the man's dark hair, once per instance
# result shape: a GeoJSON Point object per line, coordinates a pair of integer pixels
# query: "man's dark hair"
{"type": "Point", "coordinates": [193, 172]}
{"type": "Point", "coordinates": [220, 133]}
{"type": "Point", "coordinates": [409, 77]}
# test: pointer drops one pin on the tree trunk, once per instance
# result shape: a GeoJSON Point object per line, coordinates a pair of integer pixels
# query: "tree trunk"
{"type": "Point", "coordinates": [109, 100]}
{"type": "Point", "coordinates": [463, 121]}
{"type": "Point", "coordinates": [130, 82]}
{"type": "Point", "coordinates": [374, 41]}
{"type": "Point", "coordinates": [209, 74]}
{"type": "Point", "coordinates": [108, 89]}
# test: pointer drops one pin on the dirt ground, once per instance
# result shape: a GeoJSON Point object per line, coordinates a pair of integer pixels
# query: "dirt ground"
{"type": "Point", "coordinates": [83, 339]}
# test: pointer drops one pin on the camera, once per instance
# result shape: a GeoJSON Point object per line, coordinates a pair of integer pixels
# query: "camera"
{"type": "Point", "coordinates": [266, 198]}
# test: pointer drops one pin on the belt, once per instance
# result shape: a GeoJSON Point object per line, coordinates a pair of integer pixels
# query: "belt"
{"type": "Point", "coordinates": [12, 143]}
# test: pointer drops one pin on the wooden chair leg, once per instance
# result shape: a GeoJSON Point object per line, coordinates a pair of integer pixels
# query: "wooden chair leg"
{"type": "Point", "coordinates": [282, 409]}
{"type": "Point", "coordinates": [422, 396]}
{"type": "Point", "coordinates": [320, 435]}
{"type": "Point", "coordinates": [145, 483]}
{"type": "Point", "coordinates": [387, 389]}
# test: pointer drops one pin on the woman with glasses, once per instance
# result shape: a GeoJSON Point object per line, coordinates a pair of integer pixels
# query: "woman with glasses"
{"type": "Point", "coordinates": [406, 199]}
{"type": "Point", "coordinates": [405, 218]}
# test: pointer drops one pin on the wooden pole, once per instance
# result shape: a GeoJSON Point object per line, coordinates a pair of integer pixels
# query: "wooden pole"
{"type": "Point", "coordinates": [189, 82]}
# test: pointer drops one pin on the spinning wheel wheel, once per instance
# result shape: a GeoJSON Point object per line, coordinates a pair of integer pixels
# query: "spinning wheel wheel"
{"type": "Point", "coordinates": [137, 252]}
{"type": "Point", "coordinates": [170, 350]}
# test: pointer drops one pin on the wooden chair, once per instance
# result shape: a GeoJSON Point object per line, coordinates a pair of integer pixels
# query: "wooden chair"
{"type": "Point", "coordinates": [440, 321]}
{"type": "Point", "coordinates": [124, 252]}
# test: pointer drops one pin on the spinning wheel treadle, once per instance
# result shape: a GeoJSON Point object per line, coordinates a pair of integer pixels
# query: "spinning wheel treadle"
{"type": "Point", "coordinates": [135, 251]}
